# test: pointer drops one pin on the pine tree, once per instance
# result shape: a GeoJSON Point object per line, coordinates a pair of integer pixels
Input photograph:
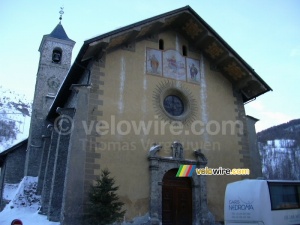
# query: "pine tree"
{"type": "Point", "coordinates": [105, 207]}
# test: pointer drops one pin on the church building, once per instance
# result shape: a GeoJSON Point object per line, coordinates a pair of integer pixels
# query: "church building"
{"type": "Point", "coordinates": [141, 101]}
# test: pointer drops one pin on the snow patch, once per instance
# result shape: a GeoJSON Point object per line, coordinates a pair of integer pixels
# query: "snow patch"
{"type": "Point", "coordinates": [154, 148]}
{"type": "Point", "coordinates": [140, 220]}
{"type": "Point", "coordinates": [25, 195]}
{"type": "Point", "coordinates": [280, 159]}
{"type": "Point", "coordinates": [24, 204]}
{"type": "Point", "coordinates": [281, 143]}
{"type": "Point", "coordinates": [9, 191]}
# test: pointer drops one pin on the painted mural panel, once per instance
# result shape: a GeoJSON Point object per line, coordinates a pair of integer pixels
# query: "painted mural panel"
{"type": "Point", "coordinates": [154, 62]}
{"type": "Point", "coordinates": [174, 65]}
{"type": "Point", "coordinates": [193, 70]}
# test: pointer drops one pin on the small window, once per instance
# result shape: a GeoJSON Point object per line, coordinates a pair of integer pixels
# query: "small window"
{"type": "Point", "coordinates": [161, 44]}
{"type": "Point", "coordinates": [184, 50]}
{"type": "Point", "coordinates": [284, 196]}
{"type": "Point", "coordinates": [56, 55]}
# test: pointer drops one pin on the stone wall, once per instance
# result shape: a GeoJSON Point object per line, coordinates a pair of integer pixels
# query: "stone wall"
{"type": "Point", "coordinates": [14, 165]}
{"type": "Point", "coordinates": [12, 170]}
{"type": "Point", "coordinates": [255, 159]}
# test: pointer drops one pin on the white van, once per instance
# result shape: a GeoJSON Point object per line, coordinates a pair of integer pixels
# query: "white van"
{"type": "Point", "coordinates": [262, 202]}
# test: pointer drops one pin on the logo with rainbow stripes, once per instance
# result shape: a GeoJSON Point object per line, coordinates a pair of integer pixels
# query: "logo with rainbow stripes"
{"type": "Point", "coordinates": [186, 170]}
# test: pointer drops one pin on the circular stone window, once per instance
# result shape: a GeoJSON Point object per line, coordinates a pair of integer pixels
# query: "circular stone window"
{"type": "Point", "coordinates": [173, 105]}
{"type": "Point", "coordinates": [174, 102]}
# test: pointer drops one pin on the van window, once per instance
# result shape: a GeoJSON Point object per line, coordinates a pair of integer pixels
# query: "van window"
{"type": "Point", "coordinates": [284, 196]}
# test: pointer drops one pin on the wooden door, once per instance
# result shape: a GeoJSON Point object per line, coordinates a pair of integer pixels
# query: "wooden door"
{"type": "Point", "coordinates": [176, 199]}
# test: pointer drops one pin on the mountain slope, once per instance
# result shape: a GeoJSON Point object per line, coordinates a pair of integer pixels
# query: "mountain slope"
{"type": "Point", "coordinates": [15, 112]}
{"type": "Point", "coordinates": [279, 147]}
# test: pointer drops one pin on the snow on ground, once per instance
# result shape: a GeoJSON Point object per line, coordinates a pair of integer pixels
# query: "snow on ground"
{"type": "Point", "coordinates": [27, 217]}
{"type": "Point", "coordinates": [24, 204]}
{"type": "Point", "coordinates": [9, 191]}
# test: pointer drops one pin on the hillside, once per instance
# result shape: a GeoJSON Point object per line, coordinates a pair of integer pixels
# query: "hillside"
{"type": "Point", "coordinates": [15, 113]}
{"type": "Point", "coordinates": [279, 147]}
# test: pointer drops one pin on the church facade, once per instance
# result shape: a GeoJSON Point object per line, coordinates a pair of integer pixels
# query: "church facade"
{"type": "Point", "coordinates": [141, 101]}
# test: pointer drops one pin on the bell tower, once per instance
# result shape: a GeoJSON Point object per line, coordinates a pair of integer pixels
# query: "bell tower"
{"type": "Point", "coordinates": [55, 60]}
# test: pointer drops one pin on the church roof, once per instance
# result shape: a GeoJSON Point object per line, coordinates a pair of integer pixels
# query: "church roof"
{"type": "Point", "coordinates": [59, 33]}
{"type": "Point", "coordinates": [4, 153]}
{"type": "Point", "coordinates": [190, 25]}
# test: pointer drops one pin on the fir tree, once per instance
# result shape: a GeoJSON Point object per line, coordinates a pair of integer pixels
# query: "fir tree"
{"type": "Point", "coordinates": [105, 207]}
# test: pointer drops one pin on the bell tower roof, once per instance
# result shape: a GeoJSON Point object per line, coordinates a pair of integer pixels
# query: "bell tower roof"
{"type": "Point", "coordinates": [59, 33]}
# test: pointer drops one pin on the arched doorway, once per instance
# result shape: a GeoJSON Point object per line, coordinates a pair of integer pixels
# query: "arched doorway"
{"type": "Point", "coordinates": [176, 199]}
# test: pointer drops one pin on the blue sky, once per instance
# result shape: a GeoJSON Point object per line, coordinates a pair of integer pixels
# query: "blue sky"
{"type": "Point", "coordinates": [265, 33]}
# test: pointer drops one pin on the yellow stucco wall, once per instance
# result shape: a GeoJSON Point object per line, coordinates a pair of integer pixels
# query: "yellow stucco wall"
{"type": "Point", "coordinates": [128, 99]}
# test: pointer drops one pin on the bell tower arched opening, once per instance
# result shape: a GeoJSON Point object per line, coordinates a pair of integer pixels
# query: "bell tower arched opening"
{"type": "Point", "coordinates": [56, 55]}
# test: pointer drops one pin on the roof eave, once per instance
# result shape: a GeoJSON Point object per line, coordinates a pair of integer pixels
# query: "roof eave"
{"type": "Point", "coordinates": [90, 43]}
{"type": "Point", "coordinates": [12, 148]}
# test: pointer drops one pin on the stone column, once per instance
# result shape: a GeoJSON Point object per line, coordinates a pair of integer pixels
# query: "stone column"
{"type": "Point", "coordinates": [63, 124]}
{"type": "Point", "coordinates": [2, 175]}
{"type": "Point", "coordinates": [38, 127]}
{"type": "Point", "coordinates": [154, 192]}
{"type": "Point", "coordinates": [205, 218]}
{"type": "Point", "coordinates": [33, 157]}
{"type": "Point", "coordinates": [154, 187]}
{"type": "Point", "coordinates": [73, 195]}
{"type": "Point", "coordinates": [49, 173]}
{"type": "Point", "coordinates": [46, 145]}
{"type": "Point", "coordinates": [201, 216]}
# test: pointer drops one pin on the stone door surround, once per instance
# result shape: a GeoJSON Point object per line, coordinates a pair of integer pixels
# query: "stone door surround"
{"type": "Point", "coordinates": [158, 166]}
